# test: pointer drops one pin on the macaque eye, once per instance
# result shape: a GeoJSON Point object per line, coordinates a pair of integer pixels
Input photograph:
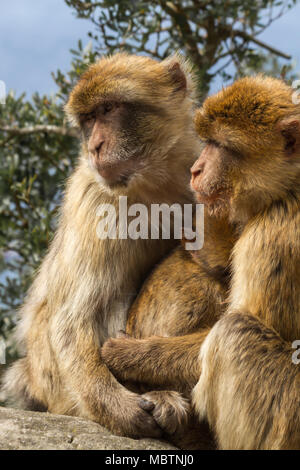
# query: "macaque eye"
{"type": "Point", "coordinates": [107, 107]}
{"type": "Point", "coordinates": [87, 118]}
{"type": "Point", "coordinates": [213, 142]}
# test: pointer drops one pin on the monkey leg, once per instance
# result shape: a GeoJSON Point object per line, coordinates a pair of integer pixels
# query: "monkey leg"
{"type": "Point", "coordinates": [34, 381]}
{"type": "Point", "coordinates": [170, 363]}
{"type": "Point", "coordinates": [17, 389]}
{"type": "Point", "coordinates": [249, 386]}
{"type": "Point", "coordinates": [172, 411]}
{"type": "Point", "coordinates": [100, 397]}
{"type": "Point", "coordinates": [88, 390]}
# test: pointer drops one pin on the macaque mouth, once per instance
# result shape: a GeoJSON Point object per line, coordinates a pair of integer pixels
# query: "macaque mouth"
{"type": "Point", "coordinates": [118, 172]}
{"type": "Point", "coordinates": [210, 192]}
{"type": "Point", "coordinates": [216, 202]}
{"type": "Point", "coordinates": [211, 198]}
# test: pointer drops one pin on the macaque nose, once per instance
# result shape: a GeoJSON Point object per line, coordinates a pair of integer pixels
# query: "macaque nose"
{"type": "Point", "coordinates": [196, 170]}
{"type": "Point", "coordinates": [96, 149]}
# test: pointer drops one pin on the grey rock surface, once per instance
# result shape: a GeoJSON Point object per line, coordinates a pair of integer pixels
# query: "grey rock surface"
{"type": "Point", "coordinates": [25, 430]}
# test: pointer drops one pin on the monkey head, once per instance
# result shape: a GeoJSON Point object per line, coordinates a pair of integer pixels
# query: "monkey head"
{"type": "Point", "coordinates": [252, 154]}
{"type": "Point", "coordinates": [131, 110]}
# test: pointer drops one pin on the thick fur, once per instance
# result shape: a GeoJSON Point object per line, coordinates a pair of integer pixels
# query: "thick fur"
{"type": "Point", "coordinates": [245, 120]}
{"type": "Point", "coordinates": [249, 386]}
{"type": "Point", "coordinates": [237, 115]}
{"type": "Point", "coordinates": [187, 290]}
{"type": "Point", "coordinates": [182, 298]}
{"type": "Point", "coordinates": [85, 285]}
{"type": "Point", "coordinates": [171, 410]}
{"type": "Point", "coordinates": [138, 79]}
{"type": "Point", "coordinates": [253, 123]}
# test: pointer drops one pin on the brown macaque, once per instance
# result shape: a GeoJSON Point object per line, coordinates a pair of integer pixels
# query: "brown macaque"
{"type": "Point", "coordinates": [248, 173]}
{"type": "Point", "coordinates": [249, 386]}
{"type": "Point", "coordinates": [187, 290]}
{"type": "Point", "coordinates": [138, 141]}
{"type": "Point", "coordinates": [249, 389]}
{"type": "Point", "coordinates": [179, 302]}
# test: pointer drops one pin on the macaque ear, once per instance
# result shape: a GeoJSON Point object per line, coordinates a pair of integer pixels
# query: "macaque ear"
{"type": "Point", "coordinates": [290, 130]}
{"type": "Point", "coordinates": [177, 75]}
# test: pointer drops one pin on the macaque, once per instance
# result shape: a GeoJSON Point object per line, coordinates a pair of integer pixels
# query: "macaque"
{"type": "Point", "coordinates": [180, 301]}
{"type": "Point", "coordinates": [138, 141]}
{"type": "Point", "coordinates": [191, 285]}
{"type": "Point", "coordinates": [248, 172]}
{"type": "Point", "coordinates": [249, 388]}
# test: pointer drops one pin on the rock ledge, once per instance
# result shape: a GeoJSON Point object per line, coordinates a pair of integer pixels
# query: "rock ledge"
{"type": "Point", "coordinates": [25, 430]}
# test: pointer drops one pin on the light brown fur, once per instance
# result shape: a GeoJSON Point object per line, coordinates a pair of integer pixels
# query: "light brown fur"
{"type": "Point", "coordinates": [249, 173]}
{"type": "Point", "coordinates": [85, 285]}
{"type": "Point", "coordinates": [179, 302]}
{"type": "Point", "coordinates": [249, 386]}
{"type": "Point", "coordinates": [181, 299]}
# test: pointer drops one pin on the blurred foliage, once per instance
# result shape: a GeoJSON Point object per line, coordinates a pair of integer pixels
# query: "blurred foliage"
{"type": "Point", "coordinates": [33, 167]}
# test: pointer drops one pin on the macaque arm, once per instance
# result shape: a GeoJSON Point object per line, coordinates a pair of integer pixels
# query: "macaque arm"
{"type": "Point", "coordinates": [170, 362]}
{"type": "Point", "coordinates": [102, 397]}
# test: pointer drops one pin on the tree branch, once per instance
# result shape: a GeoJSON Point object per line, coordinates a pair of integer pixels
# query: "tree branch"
{"type": "Point", "coordinates": [59, 130]}
{"type": "Point", "coordinates": [271, 49]}
{"type": "Point", "coordinates": [180, 20]}
{"type": "Point", "coordinates": [178, 15]}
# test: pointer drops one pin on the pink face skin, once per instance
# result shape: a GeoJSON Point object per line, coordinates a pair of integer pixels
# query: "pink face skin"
{"type": "Point", "coordinates": [102, 129]}
{"type": "Point", "coordinates": [209, 177]}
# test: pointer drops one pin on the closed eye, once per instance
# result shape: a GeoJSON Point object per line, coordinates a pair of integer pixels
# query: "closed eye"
{"type": "Point", "coordinates": [213, 142]}
{"type": "Point", "coordinates": [108, 107]}
{"type": "Point", "coordinates": [85, 118]}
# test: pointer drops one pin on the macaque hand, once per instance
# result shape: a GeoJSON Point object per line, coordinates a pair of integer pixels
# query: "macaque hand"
{"type": "Point", "coordinates": [123, 356]}
{"type": "Point", "coordinates": [137, 421]}
{"type": "Point", "coordinates": [170, 410]}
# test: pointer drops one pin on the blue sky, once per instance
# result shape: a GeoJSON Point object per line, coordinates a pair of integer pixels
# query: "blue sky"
{"type": "Point", "coordinates": [35, 39]}
{"type": "Point", "coordinates": [36, 35]}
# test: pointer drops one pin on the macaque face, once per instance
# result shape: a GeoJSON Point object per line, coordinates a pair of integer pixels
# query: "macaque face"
{"type": "Point", "coordinates": [110, 141]}
{"type": "Point", "coordinates": [210, 178]}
